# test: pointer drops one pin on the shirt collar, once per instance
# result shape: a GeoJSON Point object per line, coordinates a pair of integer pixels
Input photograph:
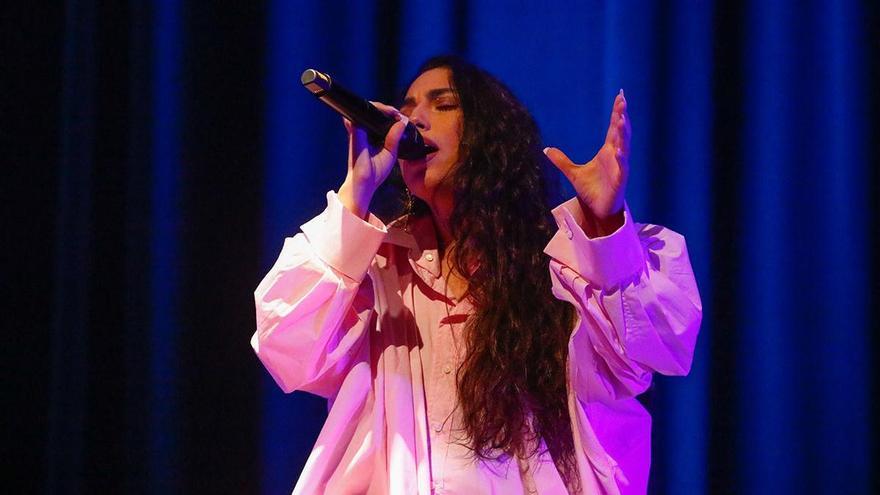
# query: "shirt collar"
{"type": "Point", "coordinates": [419, 238]}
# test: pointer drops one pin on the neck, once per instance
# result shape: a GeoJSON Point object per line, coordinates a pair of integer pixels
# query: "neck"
{"type": "Point", "coordinates": [441, 210]}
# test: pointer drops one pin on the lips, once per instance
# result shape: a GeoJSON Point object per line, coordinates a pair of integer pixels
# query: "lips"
{"type": "Point", "coordinates": [431, 147]}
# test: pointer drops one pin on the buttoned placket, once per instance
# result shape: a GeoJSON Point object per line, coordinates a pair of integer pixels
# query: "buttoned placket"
{"type": "Point", "coordinates": [442, 408]}
{"type": "Point", "coordinates": [446, 331]}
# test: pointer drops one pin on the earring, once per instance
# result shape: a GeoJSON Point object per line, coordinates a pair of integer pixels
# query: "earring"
{"type": "Point", "coordinates": [408, 207]}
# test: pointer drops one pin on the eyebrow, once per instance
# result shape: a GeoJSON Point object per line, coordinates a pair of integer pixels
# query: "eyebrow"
{"type": "Point", "coordinates": [432, 94]}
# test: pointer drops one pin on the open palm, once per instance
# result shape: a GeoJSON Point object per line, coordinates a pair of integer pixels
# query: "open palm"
{"type": "Point", "coordinates": [601, 183]}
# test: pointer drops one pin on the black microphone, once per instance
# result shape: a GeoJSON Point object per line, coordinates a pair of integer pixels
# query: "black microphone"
{"type": "Point", "coordinates": [363, 114]}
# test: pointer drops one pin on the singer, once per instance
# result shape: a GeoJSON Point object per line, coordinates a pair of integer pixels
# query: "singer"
{"type": "Point", "coordinates": [487, 340]}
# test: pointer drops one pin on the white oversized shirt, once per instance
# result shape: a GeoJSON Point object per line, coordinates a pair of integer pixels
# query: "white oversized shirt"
{"type": "Point", "coordinates": [355, 311]}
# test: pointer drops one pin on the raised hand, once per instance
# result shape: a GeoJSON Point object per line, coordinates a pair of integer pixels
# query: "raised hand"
{"type": "Point", "coordinates": [600, 184]}
{"type": "Point", "coordinates": [368, 165]}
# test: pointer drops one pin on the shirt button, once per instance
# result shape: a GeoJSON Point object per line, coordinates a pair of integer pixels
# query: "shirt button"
{"type": "Point", "coordinates": [438, 427]}
{"type": "Point", "coordinates": [447, 369]}
{"type": "Point", "coordinates": [429, 257]}
{"type": "Point", "coordinates": [568, 234]}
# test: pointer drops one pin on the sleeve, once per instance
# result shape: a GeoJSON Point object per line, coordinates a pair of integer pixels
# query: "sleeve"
{"type": "Point", "coordinates": [637, 301]}
{"type": "Point", "coordinates": [314, 306]}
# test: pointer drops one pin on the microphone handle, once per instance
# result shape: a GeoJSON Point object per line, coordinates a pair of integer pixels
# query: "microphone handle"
{"type": "Point", "coordinates": [362, 113]}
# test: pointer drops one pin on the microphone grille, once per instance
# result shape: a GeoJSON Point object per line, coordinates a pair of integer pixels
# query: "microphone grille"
{"type": "Point", "coordinates": [315, 81]}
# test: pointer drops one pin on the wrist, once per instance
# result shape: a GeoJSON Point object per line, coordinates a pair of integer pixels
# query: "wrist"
{"type": "Point", "coordinates": [355, 198]}
{"type": "Point", "coordinates": [610, 224]}
{"type": "Point", "coordinates": [595, 226]}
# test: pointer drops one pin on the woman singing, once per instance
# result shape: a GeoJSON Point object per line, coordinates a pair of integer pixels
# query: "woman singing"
{"type": "Point", "coordinates": [483, 342]}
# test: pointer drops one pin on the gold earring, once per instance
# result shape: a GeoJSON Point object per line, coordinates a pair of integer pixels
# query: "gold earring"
{"type": "Point", "coordinates": [408, 207]}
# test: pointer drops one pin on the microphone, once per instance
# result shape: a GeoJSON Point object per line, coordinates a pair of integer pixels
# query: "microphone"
{"type": "Point", "coordinates": [363, 114]}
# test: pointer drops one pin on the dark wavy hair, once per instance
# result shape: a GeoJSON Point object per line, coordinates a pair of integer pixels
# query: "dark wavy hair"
{"type": "Point", "coordinates": [512, 386]}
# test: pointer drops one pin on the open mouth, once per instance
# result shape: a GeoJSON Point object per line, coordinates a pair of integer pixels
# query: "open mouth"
{"type": "Point", "coordinates": [430, 149]}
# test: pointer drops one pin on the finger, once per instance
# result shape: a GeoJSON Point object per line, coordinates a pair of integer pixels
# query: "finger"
{"type": "Point", "coordinates": [358, 142]}
{"type": "Point", "coordinates": [560, 160]}
{"type": "Point", "coordinates": [392, 139]}
{"type": "Point", "coordinates": [625, 128]}
{"type": "Point", "coordinates": [623, 161]}
{"type": "Point", "coordinates": [619, 104]}
{"type": "Point", "coordinates": [357, 136]}
{"type": "Point", "coordinates": [617, 134]}
{"type": "Point", "coordinates": [386, 109]}
{"type": "Point", "coordinates": [612, 136]}
{"type": "Point", "coordinates": [360, 139]}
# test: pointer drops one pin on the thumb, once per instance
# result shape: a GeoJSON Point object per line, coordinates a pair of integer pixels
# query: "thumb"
{"type": "Point", "coordinates": [392, 139]}
{"type": "Point", "coordinates": [560, 159]}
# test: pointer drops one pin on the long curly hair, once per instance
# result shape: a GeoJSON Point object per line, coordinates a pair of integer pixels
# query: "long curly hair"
{"type": "Point", "coordinates": [512, 386]}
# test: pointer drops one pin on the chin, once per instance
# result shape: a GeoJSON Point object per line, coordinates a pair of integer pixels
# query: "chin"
{"type": "Point", "coordinates": [424, 179]}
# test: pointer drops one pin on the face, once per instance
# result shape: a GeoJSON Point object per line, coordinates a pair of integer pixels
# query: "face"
{"type": "Point", "coordinates": [433, 107]}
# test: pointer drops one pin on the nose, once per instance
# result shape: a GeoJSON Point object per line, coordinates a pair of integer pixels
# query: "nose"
{"type": "Point", "coordinates": [419, 118]}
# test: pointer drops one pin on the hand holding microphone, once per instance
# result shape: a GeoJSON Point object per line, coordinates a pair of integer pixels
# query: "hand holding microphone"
{"type": "Point", "coordinates": [368, 164]}
{"type": "Point", "coordinates": [363, 114]}
{"type": "Point", "coordinates": [377, 134]}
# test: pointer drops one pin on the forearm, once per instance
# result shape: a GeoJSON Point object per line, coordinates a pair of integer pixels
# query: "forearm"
{"type": "Point", "coordinates": [312, 305]}
{"type": "Point", "coordinates": [636, 297]}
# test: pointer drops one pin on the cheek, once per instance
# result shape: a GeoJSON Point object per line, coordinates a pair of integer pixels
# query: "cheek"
{"type": "Point", "coordinates": [453, 158]}
{"type": "Point", "coordinates": [441, 169]}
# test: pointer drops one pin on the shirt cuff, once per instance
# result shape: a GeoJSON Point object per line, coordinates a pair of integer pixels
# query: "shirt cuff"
{"type": "Point", "coordinates": [605, 261]}
{"type": "Point", "coordinates": [343, 240]}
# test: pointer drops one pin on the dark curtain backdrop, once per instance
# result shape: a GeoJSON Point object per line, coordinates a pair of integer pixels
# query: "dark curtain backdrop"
{"type": "Point", "coordinates": [157, 153]}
